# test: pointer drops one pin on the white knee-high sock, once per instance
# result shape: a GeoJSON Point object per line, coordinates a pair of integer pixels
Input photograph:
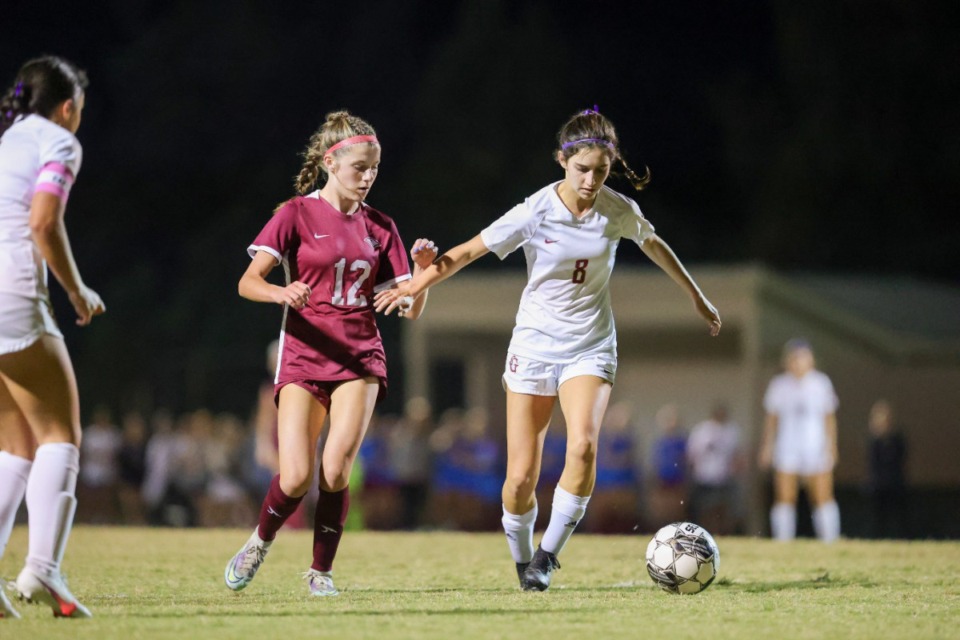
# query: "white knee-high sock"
{"type": "Point", "coordinates": [519, 530]}
{"type": "Point", "coordinates": [567, 511]}
{"type": "Point", "coordinates": [783, 521]}
{"type": "Point", "coordinates": [14, 472]}
{"type": "Point", "coordinates": [826, 521]}
{"type": "Point", "coordinates": [51, 504]}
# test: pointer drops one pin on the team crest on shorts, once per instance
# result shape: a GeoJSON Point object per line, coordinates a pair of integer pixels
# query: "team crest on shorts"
{"type": "Point", "coordinates": [513, 362]}
{"type": "Point", "coordinates": [373, 242]}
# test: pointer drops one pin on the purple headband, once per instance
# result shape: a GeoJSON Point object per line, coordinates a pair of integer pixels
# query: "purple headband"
{"type": "Point", "coordinates": [606, 143]}
{"type": "Point", "coordinates": [588, 112]}
{"type": "Point", "coordinates": [18, 90]}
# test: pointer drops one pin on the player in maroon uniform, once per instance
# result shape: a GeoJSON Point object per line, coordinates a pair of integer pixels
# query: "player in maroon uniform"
{"type": "Point", "coordinates": [336, 252]}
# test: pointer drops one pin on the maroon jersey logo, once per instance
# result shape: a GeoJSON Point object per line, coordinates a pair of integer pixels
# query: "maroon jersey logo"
{"type": "Point", "coordinates": [513, 363]}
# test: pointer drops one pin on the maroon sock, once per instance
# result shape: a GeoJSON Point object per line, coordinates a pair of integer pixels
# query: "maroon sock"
{"type": "Point", "coordinates": [275, 510]}
{"type": "Point", "coordinates": [328, 527]}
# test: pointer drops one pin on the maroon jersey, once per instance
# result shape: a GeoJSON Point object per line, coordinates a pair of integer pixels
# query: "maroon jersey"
{"type": "Point", "coordinates": [344, 259]}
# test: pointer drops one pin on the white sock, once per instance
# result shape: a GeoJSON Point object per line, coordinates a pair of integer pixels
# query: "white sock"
{"type": "Point", "coordinates": [519, 530]}
{"type": "Point", "coordinates": [50, 503]}
{"type": "Point", "coordinates": [826, 521]}
{"type": "Point", "coordinates": [14, 472]}
{"type": "Point", "coordinates": [783, 521]}
{"type": "Point", "coordinates": [567, 511]}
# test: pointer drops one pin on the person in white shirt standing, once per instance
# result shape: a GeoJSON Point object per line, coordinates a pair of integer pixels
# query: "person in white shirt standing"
{"type": "Point", "coordinates": [800, 443]}
{"type": "Point", "coordinates": [39, 407]}
{"type": "Point", "coordinates": [564, 343]}
{"type": "Point", "coordinates": [716, 461]}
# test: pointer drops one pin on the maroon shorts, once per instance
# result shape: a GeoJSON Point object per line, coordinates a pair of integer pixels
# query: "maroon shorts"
{"type": "Point", "coordinates": [322, 390]}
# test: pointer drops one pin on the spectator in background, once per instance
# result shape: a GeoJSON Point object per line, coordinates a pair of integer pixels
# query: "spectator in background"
{"type": "Point", "coordinates": [716, 462]}
{"type": "Point", "coordinates": [99, 453]}
{"type": "Point", "coordinates": [467, 472]}
{"type": "Point", "coordinates": [669, 494]}
{"type": "Point", "coordinates": [132, 468]}
{"type": "Point", "coordinates": [224, 501]}
{"type": "Point", "coordinates": [380, 497]}
{"type": "Point", "coordinates": [800, 442]}
{"type": "Point", "coordinates": [887, 455]}
{"type": "Point", "coordinates": [411, 460]}
{"type": "Point", "coordinates": [615, 501]}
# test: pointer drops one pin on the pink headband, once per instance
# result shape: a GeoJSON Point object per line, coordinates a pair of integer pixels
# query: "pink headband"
{"type": "Point", "coordinates": [349, 141]}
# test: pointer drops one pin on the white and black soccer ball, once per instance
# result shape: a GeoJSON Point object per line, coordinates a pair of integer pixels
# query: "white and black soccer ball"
{"type": "Point", "coordinates": [683, 558]}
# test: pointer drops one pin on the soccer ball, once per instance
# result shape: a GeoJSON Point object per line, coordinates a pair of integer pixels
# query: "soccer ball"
{"type": "Point", "coordinates": [683, 558]}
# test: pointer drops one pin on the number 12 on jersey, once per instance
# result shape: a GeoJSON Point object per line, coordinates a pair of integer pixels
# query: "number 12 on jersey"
{"type": "Point", "coordinates": [353, 299]}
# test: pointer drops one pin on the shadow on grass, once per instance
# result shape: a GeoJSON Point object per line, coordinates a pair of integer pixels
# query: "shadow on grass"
{"type": "Point", "coordinates": [822, 581]}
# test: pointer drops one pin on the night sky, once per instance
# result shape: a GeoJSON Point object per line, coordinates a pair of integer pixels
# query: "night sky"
{"type": "Point", "coordinates": [816, 137]}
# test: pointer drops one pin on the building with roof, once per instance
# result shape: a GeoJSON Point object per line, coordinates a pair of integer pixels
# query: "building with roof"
{"type": "Point", "coordinates": [893, 338]}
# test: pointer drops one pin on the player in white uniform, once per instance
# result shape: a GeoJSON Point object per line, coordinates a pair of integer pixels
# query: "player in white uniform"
{"type": "Point", "coordinates": [564, 343]}
{"type": "Point", "coordinates": [39, 407]}
{"type": "Point", "coordinates": [800, 441]}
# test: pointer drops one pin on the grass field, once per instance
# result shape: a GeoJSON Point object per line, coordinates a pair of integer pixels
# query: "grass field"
{"type": "Point", "coordinates": [167, 583]}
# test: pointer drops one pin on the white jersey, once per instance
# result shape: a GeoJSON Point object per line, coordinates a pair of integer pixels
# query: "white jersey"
{"type": "Point", "coordinates": [712, 450]}
{"type": "Point", "coordinates": [35, 155]}
{"type": "Point", "coordinates": [801, 406]}
{"type": "Point", "coordinates": [565, 310]}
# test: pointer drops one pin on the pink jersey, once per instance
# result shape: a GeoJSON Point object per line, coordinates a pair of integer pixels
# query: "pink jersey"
{"type": "Point", "coordinates": [344, 259]}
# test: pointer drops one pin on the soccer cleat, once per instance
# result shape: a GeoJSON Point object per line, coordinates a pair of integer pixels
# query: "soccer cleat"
{"type": "Point", "coordinates": [6, 608]}
{"type": "Point", "coordinates": [537, 575]}
{"type": "Point", "coordinates": [50, 589]}
{"type": "Point", "coordinates": [243, 566]}
{"type": "Point", "coordinates": [521, 567]}
{"type": "Point", "coordinates": [320, 583]}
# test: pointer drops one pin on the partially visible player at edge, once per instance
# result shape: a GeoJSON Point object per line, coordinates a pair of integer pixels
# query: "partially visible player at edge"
{"type": "Point", "coordinates": [337, 251]}
{"type": "Point", "coordinates": [564, 343]}
{"type": "Point", "coordinates": [39, 406]}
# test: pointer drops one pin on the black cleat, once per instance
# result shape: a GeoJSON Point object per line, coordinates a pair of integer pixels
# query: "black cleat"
{"type": "Point", "coordinates": [537, 575]}
{"type": "Point", "coordinates": [521, 567]}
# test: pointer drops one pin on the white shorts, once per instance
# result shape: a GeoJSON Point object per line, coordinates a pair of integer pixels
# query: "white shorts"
{"type": "Point", "coordinates": [532, 377]}
{"type": "Point", "coordinates": [802, 461]}
{"type": "Point", "coordinates": [23, 320]}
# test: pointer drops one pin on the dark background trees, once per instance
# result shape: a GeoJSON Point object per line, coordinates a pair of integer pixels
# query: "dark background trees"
{"type": "Point", "coordinates": [816, 136]}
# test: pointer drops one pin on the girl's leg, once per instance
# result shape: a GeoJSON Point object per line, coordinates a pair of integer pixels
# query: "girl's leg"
{"type": "Point", "coordinates": [41, 383]}
{"type": "Point", "coordinates": [826, 513]}
{"type": "Point", "coordinates": [783, 514]}
{"type": "Point", "coordinates": [528, 417]}
{"type": "Point", "coordinates": [351, 407]}
{"type": "Point", "coordinates": [583, 400]}
{"type": "Point", "coordinates": [300, 419]}
{"type": "Point", "coordinates": [16, 458]}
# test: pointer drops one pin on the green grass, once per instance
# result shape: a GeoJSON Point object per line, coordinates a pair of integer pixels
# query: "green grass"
{"type": "Point", "coordinates": [163, 583]}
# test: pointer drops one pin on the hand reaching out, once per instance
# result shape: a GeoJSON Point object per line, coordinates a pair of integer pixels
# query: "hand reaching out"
{"type": "Point", "coordinates": [397, 298]}
{"type": "Point", "coordinates": [709, 313]}
{"type": "Point", "coordinates": [423, 252]}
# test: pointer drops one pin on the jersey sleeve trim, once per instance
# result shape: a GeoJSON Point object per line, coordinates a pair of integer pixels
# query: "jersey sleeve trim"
{"type": "Point", "coordinates": [390, 283]}
{"type": "Point", "coordinates": [252, 251]}
{"type": "Point", "coordinates": [55, 178]}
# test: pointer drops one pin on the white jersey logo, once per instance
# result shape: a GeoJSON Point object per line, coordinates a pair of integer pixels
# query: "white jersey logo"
{"type": "Point", "coordinates": [321, 235]}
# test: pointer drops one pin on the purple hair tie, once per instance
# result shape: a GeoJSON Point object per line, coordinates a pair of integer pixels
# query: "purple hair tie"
{"type": "Point", "coordinates": [606, 143]}
{"type": "Point", "coordinates": [18, 90]}
{"type": "Point", "coordinates": [591, 112]}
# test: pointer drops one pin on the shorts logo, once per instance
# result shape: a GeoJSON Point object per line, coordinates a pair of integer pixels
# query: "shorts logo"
{"type": "Point", "coordinates": [513, 362]}
{"type": "Point", "coordinates": [373, 242]}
